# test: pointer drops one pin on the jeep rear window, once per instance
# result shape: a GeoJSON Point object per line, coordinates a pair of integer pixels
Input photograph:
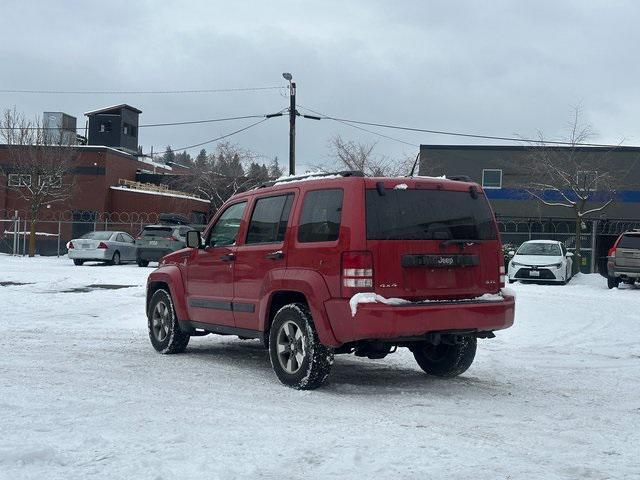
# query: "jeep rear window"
{"type": "Point", "coordinates": [321, 216]}
{"type": "Point", "coordinates": [414, 214]}
{"type": "Point", "coordinates": [630, 241]}
{"type": "Point", "coordinates": [156, 232]}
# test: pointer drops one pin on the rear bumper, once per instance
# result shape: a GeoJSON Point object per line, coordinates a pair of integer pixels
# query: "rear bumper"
{"type": "Point", "coordinates": [90, 254]}
{"type": "Point", "coordinates": [622, 270]}
{"type": "Point", "coordinates": [380, 321]}
{"type": "Point", "coordinates": [152, 254]}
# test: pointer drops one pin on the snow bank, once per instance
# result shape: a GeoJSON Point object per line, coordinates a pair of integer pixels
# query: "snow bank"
{"type": "Point", "coordinates": [401, 186]}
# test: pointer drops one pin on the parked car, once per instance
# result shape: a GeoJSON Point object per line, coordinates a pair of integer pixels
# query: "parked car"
{"type": "Point", "coordinates": [541, 260]}
{"type": "Point", "coordinates": [156, 241]}
{"type": "Point", "coordinates": [112, 247]}
{"type": "Point", "coordinates": [340, 264]}
{"type": "Point", "coordinates": [623, 260]}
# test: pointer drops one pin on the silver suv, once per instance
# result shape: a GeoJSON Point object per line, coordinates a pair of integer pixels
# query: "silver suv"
{"type": "Point", "coordinates": [623, 263]}
{"type": "Point", "coordinates": [156, 241]}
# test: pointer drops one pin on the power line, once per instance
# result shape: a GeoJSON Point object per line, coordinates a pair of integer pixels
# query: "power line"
{"type": "Point", "coordinates": [363, 129]}
{"type": "Point", "coordinates": [189, 147]}
{"type": "Point", "coordinates": [147, 125]}
{"type": "Point", "coordinates": [140, 92]}
{"type": "Point", "coordinates": [467, 135]}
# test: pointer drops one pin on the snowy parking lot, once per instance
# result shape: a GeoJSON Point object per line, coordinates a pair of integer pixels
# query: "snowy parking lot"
{"type": "Point", "coordinates": [84, 395]}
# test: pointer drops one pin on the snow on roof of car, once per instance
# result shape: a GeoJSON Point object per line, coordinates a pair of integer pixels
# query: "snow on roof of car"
{"type": "Point", "coordinates": [542, 241]}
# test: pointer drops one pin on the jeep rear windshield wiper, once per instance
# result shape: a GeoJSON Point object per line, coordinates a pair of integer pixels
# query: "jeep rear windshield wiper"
{"type": "Point", "coordinates": [456, 241]}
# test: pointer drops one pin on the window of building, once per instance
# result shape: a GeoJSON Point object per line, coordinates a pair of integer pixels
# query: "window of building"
{"type": "Point", "coordinates": [125, 129]}
{"type": "Point", "coordinates": [269, 219]}
{"type": "Point", "coordinates": [321, 216]}
{"type": "Point", "coordinates": [105, 126]}
{"type": "Point", "coordinates": [587, 179]}
{"type": "Point", "coordinates": [491, 178]}
{"type": "Point", "coordinates": [19, 180]}
{"type": "Point", "coordinates": [53, 181]}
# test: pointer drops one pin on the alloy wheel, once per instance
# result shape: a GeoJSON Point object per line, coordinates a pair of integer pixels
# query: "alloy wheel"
{"type": "Point", "coordinates": [291, 347]}
{"type": "Point", "coordinates": [161, 321]}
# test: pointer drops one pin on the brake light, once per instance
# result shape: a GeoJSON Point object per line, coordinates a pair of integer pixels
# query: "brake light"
{"type": "Point", "coordinates": [612, 252]}
{"type": "Point", "coordinates": [70, 245]}
{"type": "Point", "coordinates": [102, 246]}
{"type": "Point", "coordinates": [356, 273]}
{"type": "Point", "coordinates": [172, 238]}
{"type": "Point", "coordinates": [502, 277]}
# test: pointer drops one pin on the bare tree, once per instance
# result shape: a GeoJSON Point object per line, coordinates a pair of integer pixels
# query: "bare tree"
{"type": "Point", "coordinates": [223, 174]}
{"type": "Point", "coordinates": [584, 181]}
{"type": "Point", "coordinates": [350, 155]}
{"type": "Point", "coordinates": [41, 161]}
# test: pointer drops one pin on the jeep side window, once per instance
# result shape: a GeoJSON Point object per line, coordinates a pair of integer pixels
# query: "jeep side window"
{"type": "Point", "coordinates": [321, 216]}
{"type": "Point", "coordinates": [269, 219]}
{"type": "Point", "coordinates": [226, 228]}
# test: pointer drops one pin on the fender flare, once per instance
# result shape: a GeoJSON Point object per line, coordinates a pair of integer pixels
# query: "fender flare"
{"type": "Point", "coordinates": [310, 284]}
{"type": "Point", "coordinates": [171, 275]}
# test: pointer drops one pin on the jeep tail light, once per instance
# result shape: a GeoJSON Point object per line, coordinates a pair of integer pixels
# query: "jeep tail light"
{"type": "Point", "coordinates": [102, 246]}
{"type": "Point", "coordinates": [69, 245]}
{"type": "Point", "coordinates": [612, 252]}
{"type": "Point", "coordinates": [356, 273]}
{"type": "Point", "coordinates": [502, 276]}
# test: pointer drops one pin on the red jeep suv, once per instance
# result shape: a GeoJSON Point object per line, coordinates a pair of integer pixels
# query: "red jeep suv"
{"type": "Point", "coordinates": [340, 263]}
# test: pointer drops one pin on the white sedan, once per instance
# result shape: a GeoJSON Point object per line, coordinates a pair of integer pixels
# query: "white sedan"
{"type": "Point", "coordinates": [541, 260]}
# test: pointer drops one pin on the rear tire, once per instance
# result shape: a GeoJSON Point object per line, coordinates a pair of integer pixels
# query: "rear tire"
{"type": "Point", "coordinates": [613, 282]}
{"type": "Point", "coordinates": [298, 358]}
{"type": "Point", "coordinates": [143, 263]}
{"type": "Point", "coordinates": [78, 262]}
{"type": "Point", "coordinates": [115, 260]}
{"type": "Point", "coordinates": [164, 330]}
{"type": "Point", "coordinates": [446, 360]}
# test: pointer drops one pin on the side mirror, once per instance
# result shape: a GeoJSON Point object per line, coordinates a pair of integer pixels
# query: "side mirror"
{"type": "Point", "coordinates": [569, 254]}
{"type": "Point", "coordinates": [511, 253]}
{"type": "Point", "coordinates": [193, 239]}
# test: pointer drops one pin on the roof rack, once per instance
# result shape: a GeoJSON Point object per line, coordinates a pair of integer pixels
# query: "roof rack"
{"type": "Point", "coordinates": [343, 173]}
{"type": "Point", "coordinates": [460, 178]}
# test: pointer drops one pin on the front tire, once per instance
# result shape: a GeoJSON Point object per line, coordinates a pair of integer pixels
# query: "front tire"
{"type": "Point", "coordinates": [613, 282]}
{"type": "Point", "coordinates": [446, 359]}
{"type": "Point", "coordinates": [298, 358]}
{"type": "Point", "coordinates": [143, 263]}
{"type": "Point", "coordinates": [164, 330]}
{"type": "Point", "coordinates": [78, 262]}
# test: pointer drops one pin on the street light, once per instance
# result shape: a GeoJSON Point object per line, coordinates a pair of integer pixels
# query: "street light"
{"type": "Point", "coordinates": [287, 76]}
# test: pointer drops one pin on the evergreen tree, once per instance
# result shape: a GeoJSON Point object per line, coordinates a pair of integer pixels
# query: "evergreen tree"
{"type": "Point", "coordinates": [274, 169]}
{"type": "Point", "coordinates": [169, 156]}
{"type": "Point", "coordinates": [202, 160]}
{"type": "Point", "coordinates": [183, 159]}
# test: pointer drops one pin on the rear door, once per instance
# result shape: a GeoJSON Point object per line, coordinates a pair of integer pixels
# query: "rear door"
{"type": "Point", "coordinates": [262, 252]}
{"type": "Point", "coordinates": [628, 251]}
{"type": "Point", "coordinates": [430, 243]}
{"type": "Point", "coordinates": [128, 249]}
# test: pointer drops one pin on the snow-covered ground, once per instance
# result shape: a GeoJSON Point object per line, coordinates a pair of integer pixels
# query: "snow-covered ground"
{"type": "Point", "coordinates": [83, 395]}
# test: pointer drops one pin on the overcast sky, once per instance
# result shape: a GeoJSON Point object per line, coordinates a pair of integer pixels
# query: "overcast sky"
{"type": "Point", "coordinates": [493, 67]}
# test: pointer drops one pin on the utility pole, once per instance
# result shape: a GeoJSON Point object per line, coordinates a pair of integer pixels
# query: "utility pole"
{"type": "Point", "coordinates": [292, 122]}
{"type": "Point", "coordinates": [292, 128]}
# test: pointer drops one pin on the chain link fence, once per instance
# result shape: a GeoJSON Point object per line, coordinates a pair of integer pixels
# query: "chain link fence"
{"type": "Point", "coordinates": [53, 230]}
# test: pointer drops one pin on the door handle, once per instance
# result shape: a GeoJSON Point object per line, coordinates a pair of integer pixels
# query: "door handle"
{"type": "Point", "coordinates": [228, 257]}
{"type": "Point", "coordinates": [277, 255]}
